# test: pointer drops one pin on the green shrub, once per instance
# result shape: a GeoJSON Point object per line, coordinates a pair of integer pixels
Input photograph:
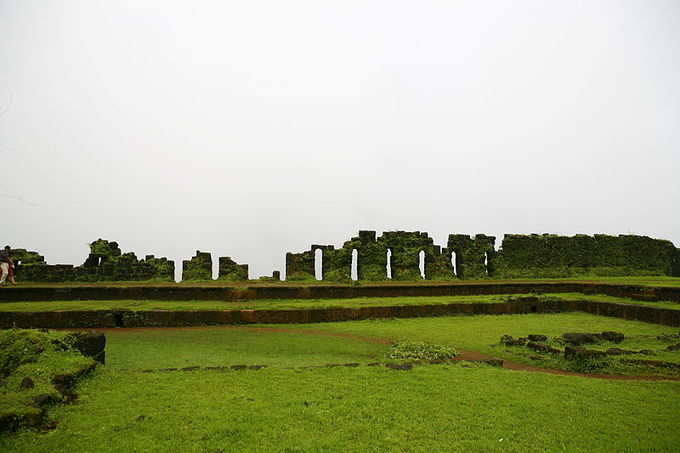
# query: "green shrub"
{"type": "Point", "coordinates": [420, 351]}
{"type": "Point", "coordinates": [588, 365]}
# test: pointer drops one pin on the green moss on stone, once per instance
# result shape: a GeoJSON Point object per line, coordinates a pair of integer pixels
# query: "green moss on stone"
{"type": "Point", "coordinates": [230, 270]}
{"type": "Point", "coordinates": [199, 267]}
{"type": "Point", "coordinates": [472, 254]}
{"type": "Point", "coordinates": [549, 255]}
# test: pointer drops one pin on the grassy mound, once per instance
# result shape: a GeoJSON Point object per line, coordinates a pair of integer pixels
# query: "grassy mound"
{"type": "Point", "coordinates": [36, 368]}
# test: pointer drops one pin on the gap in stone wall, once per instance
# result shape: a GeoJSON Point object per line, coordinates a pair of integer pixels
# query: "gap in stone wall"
{"type": "Point", "coordinates": [355, 265]}
{"type": "Point", "coordinates": [215, 267]}
{"type": "Point", "coordinates": [178, 270]}
{"type": "Point", "coordinates": [421, 263]}
{"type": "Point", "coordinates": [453, 263]}
{"type": "Point", "coordinates": [318, 264]}
{"type": "Point", "coordinates": [388, 268]}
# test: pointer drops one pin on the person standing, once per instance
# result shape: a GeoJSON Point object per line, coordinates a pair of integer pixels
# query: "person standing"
{"type": "Point", "coordinates": [6, 265]}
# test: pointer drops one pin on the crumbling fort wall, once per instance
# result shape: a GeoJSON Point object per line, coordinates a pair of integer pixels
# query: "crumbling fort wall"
{"type": "Point", "coordinates": [474, 255]}
{"type": "Point", "coordinates": [550, 255]}
{"type": "Point", "coordinates": [528, 256]}
{"type": "Point", "coordinates": [300, 266]}
{"type": "Point", "coordinates": [105, 262]}
{"type": "Point", "coordinates": [520, 256]}
{"type": "Point", "coordinates": [231, 271]}
{"type": "Point", "coordinates": [199, 267]}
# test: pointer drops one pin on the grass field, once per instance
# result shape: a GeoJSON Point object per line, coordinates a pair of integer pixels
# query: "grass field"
{"type": "Point", "coordinates": [457, 407]}
{"type": "Point", "coordinates": [482, 334]}
{"type": "Point", "coordinates": [215, 346]}
{"type": "Point", "coordinates": [295, 304]}
{"type": "Point", "coordinates": [436, 408]}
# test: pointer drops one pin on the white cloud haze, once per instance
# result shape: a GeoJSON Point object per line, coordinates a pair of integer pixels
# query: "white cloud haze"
{"type": "Point", "coordinates": [254, 128]}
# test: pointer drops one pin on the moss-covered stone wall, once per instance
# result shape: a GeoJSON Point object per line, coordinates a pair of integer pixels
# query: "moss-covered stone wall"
{"type": "Point", "coordinates": [23, 257]}
{"type": "Point", "coordinates": [371, 256]}
{"type": "Point", "coordinates": [105, 262]}
{"type": "Point", "coordinates": [55, 273]}
{"type": "Point", "coordinates": [337, 263]}
{"type": "Point", "coordinates": [199, 267]}
{"type": "Point", "coordinates": [406, 247]}
{"type": "Point", "coordinates": [549, 255]}
{"type": "Point", "coordinates": [675, 264]}
{"type": "Point", "coordinates": [472, 254]}
{"type": "Point", "coordinates": [230, 270]}
{"type": "Point", "coordinates": [438, 264]}
{"type": "Point", "coordinates": [300, 266]}
{"type": "Point", "coordinates": [521, 256]}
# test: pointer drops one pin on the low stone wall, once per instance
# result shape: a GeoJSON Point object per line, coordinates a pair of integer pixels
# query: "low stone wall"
{"type": "Point", "coordinates": [164, 318]}
{"type": "Point", "coordinates": [18, 294]}
{"type": "Point", "coordinates": [664, 316]}
{"type": "Point", "coordinates": [175, 318]}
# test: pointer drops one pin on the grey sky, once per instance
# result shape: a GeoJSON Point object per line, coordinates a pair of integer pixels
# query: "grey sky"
{"type": "Point", "coordinates": [254, 128]}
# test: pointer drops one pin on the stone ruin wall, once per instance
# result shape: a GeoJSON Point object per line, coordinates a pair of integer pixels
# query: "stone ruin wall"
{"type": "Point", "coordinates": [475, 257]}
{"type": "Point", "coordinates": [550, 255]}
{"type": "Point", "coordinates": [105, 262]}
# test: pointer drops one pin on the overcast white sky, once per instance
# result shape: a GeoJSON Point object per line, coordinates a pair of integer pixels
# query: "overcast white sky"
{"type": "Point", "coordinates": [254, 128]}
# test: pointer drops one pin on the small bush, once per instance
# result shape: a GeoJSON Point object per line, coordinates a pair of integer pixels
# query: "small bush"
{"type": "Point", "coordinates": [420, 351]}
{"type": "Point", "coordinates": [588, 365]}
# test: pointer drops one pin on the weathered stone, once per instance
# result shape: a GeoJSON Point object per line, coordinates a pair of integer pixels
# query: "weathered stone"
{"type": "Point", "coordinates": [399, 366]}
{"type": "Point", "coordinates": [668, 336]}
{"type": "Point", "coordinates": [231, 271]}
{"type": "Point", "coordinates": [198, 268]}
{"type": "Point", "coordinates": [371, 256]}
{"type": "Point", "coordinates": [534, 337]}
{"type": "Point", "coordinates": [41, 400]}
{"type": "Point", "coordinates": [544, 348]}
{"type": "Point", "coordinates": [508, 340]}
{"type": "Point", "coordinates": [577, 353]}
{"type": "Point", "coordinates": [406, 247]}
{"type": "Point", "coordinates": [614, 337]}
{"type": "Point", "coordinates": [105, 262]}
{"type": "Point", "coordinates": [90, 344]}
{"type": "Point", "coordinates": [673, 347]}
{"type": "Point", "coordinates": [550, 255]}
{"type": "Point", "coordinates": [300, 266]}
{"type": "Point", "coordinates": [652, 363]}
{"type": "Point", "coordinates": [474, 256]}
{"type": "Point", "coordinates": [438, 264]}
{"type": "Point", "coordinates": [26, 383]}
{"type": "Point", "coordinates": [578, 339]}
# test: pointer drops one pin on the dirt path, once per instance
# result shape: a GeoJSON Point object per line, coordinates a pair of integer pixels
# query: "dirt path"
{"type": "Point", "coordinates": [462, 354]}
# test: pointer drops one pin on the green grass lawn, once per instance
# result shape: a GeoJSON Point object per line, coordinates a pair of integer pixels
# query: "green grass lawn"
{"type": "Point", "coordinates": [215, 346]}
{"type": "Point", "coordinates": [218, 346]}
{"type": "Point", "coordinates": [434, 408]}
{"type": "Point", "coordinates": [482, 334]}
{"type": "Point", "coordinates": [294, 304]}
{"type": "Point", "coordinates": [455, 407]}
